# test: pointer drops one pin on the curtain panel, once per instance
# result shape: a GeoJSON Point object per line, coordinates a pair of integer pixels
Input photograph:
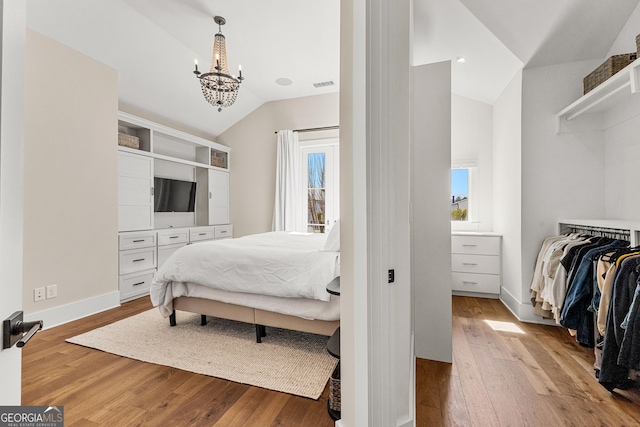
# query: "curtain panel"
{"type": "Point", "coordinates": [287, 213]}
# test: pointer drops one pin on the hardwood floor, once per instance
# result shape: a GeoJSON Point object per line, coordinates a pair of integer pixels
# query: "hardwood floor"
{"type": "Point", "coordinates": [102, 389]}
{"type": "Point", "coordinates": [540, 377]}
{"type": "Point", "coordinates": [537, 378]}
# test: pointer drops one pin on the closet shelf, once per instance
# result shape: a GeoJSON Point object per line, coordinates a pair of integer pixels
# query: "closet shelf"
{"type": "Point", "coordinates": [633, 227]}
{"type": "Point", "coordinates": [615, 89]}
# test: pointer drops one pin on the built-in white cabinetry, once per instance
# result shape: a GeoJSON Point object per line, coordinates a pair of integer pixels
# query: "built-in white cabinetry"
{"type": "Point", "coordinates": [476, 263]}
{"type": "Point", "coordinates": [141, 253]}
{"type": "Point", "coordinates": [137, 261]}
{"type": "Point", "coordinates": [148, 238]}
{"type": "Point", "coordinates": [135, 192]}
{"type": "Point", "coordinates": [218, 197]}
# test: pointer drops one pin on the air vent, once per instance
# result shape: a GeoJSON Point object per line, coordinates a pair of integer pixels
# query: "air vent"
{"type": "Point", "coordinates": [323, 84]}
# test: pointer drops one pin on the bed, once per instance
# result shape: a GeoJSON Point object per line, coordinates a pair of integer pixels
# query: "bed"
{"type": "Point", "coordinates": [275, 279]}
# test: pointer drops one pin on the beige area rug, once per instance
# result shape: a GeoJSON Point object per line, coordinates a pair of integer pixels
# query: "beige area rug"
{"type": "Point", "coordinates": [287, 361]}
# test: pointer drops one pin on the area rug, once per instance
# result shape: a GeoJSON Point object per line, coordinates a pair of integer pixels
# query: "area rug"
{"type": "Point", "coordinates": [287, 361]}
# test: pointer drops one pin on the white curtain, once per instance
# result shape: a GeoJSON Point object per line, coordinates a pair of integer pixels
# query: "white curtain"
{"type": "Point", "coordinates": [287, 213]}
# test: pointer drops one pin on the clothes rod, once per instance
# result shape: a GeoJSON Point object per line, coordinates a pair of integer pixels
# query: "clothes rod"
{"type": "Point", "coordinates": [315, 129]}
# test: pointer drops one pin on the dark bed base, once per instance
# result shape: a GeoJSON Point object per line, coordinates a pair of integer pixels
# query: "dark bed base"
{"type": "Point", "coordinates": [261, 330]}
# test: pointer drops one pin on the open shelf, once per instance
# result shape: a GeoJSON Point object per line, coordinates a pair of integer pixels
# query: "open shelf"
{"type": "Point", "coordinates": [611, 92]}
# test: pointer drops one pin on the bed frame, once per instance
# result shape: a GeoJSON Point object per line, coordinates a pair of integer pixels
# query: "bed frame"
{"type": "Point", "coordinates": [260, 318]}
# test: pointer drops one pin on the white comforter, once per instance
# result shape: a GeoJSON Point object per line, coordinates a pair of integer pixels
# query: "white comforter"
{"type": "Point", "coordinates": [279, 264]}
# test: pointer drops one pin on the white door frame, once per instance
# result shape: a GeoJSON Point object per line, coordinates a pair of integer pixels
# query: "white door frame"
{"type": "Point", "coordinates": [12, 116]}
{"type": "Point", "coordinates": [377, 358]}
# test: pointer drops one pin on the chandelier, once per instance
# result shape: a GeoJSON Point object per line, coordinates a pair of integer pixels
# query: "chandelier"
{"type": "Point", "coordinates": [219, 88]}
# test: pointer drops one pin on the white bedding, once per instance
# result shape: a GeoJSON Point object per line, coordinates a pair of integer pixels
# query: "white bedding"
{"type": "Point", "coordinates": [279, 264]}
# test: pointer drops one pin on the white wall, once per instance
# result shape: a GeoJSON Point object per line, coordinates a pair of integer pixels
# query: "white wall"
{"type": "Point", "coordinates": [561, 172]}
{"type": "Point", "coordinates": [70, 200]}
{"type": "Point", "coordinates": [472, 139]}
{"type": "Point", "coordinates": [253, 159]}
{"type": "Point", "coordinates": [431, 265]}
{"type": "Point", "coordinates": [507, 171]}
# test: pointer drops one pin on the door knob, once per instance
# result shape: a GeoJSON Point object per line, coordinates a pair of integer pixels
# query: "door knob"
{"type": "Point", "coordinates": [16, 330]}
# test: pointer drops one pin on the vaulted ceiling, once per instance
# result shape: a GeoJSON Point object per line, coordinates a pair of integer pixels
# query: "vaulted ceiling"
{"type": "Point", "coordinates": [153, 44]}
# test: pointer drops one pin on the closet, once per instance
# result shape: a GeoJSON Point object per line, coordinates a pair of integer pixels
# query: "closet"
{"type": "Point", "coordinates": [587, 278]}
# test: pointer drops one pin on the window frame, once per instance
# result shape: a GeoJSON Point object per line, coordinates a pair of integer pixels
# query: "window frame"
{"type": "Point", "coordinates": [473, 190]}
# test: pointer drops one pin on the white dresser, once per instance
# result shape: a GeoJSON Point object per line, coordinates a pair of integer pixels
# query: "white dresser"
{"type": "Point", "coordinates": [476, 263]}
{"type": "Point", "coordinates": [142, 252]}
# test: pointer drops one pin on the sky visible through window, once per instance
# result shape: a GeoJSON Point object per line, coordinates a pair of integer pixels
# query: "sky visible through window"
{"type": "Point", "coordinates": [459, 182]}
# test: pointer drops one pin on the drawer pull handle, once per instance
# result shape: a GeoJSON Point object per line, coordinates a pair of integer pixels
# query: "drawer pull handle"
{"type": "Point", "coordinates": [138, 241]}
{"type": "Point", "coordinates": [469, 263]}
{"type": "Point", "coordinates": [138, 260]}
{"type": "Point", "coordinates": [173, 237]}
{"type": "Point", "coordinates": [202, 234]}
{"type": "Point", "coordinates": [470, 245]}
{"type": "Point", "coordinates": [223, 231]}
{"type": "Point", "coordinates": [469, 283]}
{"type": "Point", "coordinates": [139, 283]}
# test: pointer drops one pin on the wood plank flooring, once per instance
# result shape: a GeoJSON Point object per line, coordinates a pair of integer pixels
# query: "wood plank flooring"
{"type": "Point", "coordinates": [102, 389]}
{"type": "Point", "coordinates": [540, 377]}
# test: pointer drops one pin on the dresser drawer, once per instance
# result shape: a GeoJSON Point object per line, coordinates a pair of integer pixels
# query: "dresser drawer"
{"type": "Point", "coordinates": [481, 283]}
{"type": "Point", "coordinates": [475, 245]}
{"type": "Point", "coordinates": [486, 264]}
{"type": "Point", "coordinates": [224, 231]}
{"type": "Point", "coordinates": [171, 237]}
{"type": "Point", "coordinates": [136, 240]}
{"type": "Point", "coordinates": [135, 284]}
{"type": "Point", "coordinates": [197, 234]}
{"type": "Point", "coordinates": [135, 260]}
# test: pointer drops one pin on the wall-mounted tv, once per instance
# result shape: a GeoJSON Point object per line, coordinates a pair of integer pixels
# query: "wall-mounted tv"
{"type": "Point", "coordinates": [172, 195]}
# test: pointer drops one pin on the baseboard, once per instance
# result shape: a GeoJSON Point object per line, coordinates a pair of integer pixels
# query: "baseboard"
{"type": "Point", "coordinates": [474, 294]}
{"type": "Point", "coordinates": [61, 314]}
{"type": "Point", "coordinates": [522, 311]}
{"type": "Point", "coordinates": [406, 423]}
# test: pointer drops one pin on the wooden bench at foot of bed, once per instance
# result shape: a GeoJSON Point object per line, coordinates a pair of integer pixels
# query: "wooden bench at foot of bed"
{"type": "Point", "coordinates": [255, 316]}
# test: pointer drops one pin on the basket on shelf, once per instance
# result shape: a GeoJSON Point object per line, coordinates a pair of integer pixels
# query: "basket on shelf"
{"type": "Point", "coordinates": [129, 141]}
{"type": "Point", "coordinates": [217, 161]}
{"type": "Point", "coordinates": [607, 69]}
{"type": "Point", "coordinates": [334, 390]}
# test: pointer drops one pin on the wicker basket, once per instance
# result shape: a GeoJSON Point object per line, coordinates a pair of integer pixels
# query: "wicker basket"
{"type": "Point", "coordinates": [128, 140]}
{"type": "Point", "coordinates": [217, 161]}
{"type": "Point", "coordinates": [607, 69]}
{"type": "Point", "coordinates": [334, 390]}
{"type": "Point", "coordinates": [638, 43]}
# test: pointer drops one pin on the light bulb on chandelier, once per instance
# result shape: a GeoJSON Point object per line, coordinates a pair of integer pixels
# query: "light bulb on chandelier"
{"type": "Point", "coordinates": [219, 88]}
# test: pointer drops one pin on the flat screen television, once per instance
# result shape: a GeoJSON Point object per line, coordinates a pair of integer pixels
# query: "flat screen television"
{"type": "Point", "coordinates": [172, 195]}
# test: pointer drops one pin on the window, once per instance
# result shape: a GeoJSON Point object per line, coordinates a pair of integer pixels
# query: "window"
{"type": "Point", "coordinates": [464, 198]}
{"type": "Point", "coordinates": [459, 194]}
{"type": "Point", "coordinates": [321, 184]}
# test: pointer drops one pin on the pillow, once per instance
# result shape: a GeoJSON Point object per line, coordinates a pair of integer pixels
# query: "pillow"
{"type": "Point", "coordinates": [333, 239]}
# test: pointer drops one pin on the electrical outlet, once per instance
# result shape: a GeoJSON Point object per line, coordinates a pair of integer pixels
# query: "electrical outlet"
{"type": "Point", "coordinates": [38, 294]}
{"type": "Point", "coordinates": [52, 291]}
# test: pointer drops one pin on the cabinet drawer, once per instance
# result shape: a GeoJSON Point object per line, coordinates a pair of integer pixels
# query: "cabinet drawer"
{"type": "Point", "coordinates": [165, 252]}
{"type": "Point", "coordinates": [224, 231]}
{"type": "Point", "coordinates": [171, 237]}
{"type": "Point", "coordinates": [135, 284]}
{"type": "Point", "coordinates": [478, 245]}
{"type": "Point", "coordinates": [486, 264]}
{"type": "Point", "coordinates": [198, 234]}
{"type": "Point", "coordinates": [482, 283]}
{"type": "Point", "coordinates": [135, 260]}
{"type": "Point", "coordinates": [136, 240]}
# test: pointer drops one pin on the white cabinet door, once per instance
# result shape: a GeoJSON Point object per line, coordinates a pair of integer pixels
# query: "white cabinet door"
{"type": "Point", "coordinates": [218, 197]}
{"type": "Point", "coordinates": [135, 192]}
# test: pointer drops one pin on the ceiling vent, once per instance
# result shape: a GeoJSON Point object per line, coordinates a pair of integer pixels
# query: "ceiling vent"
{"type": "Point", "coordinates": [323, 84]}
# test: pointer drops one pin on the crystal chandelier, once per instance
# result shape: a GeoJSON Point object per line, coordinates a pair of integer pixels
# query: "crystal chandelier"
{"type": "Point", "coordinates": [219, 88]}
